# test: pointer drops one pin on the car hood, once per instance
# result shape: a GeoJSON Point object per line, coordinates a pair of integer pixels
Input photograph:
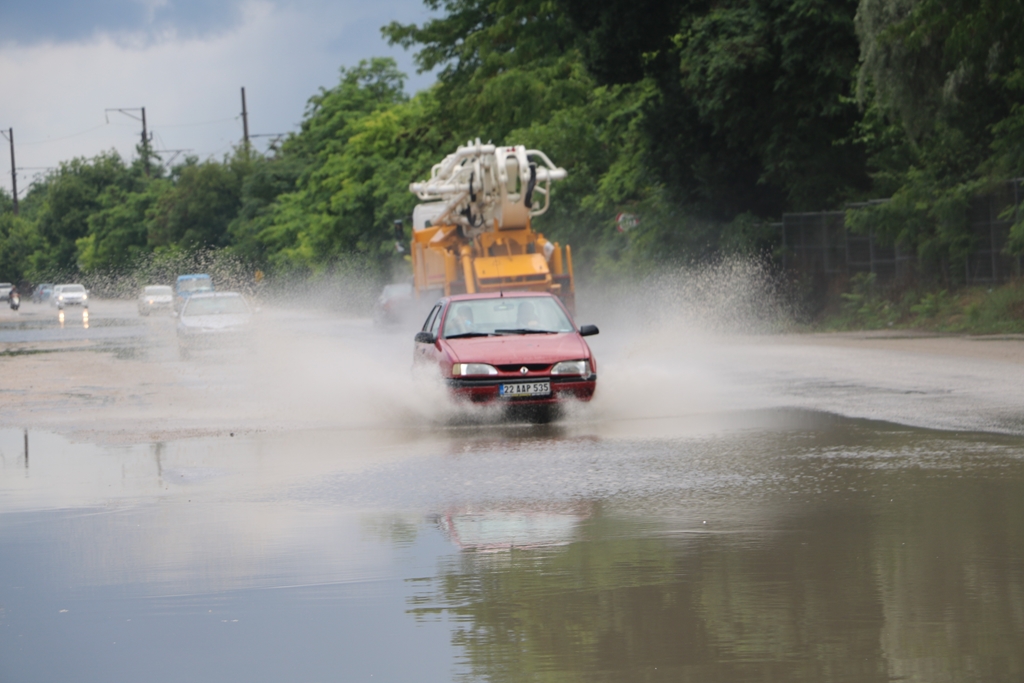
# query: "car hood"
{"type": "Point", "coordinates": [518, 348]}
{"type": "Point", "coordinates": [213, 322]}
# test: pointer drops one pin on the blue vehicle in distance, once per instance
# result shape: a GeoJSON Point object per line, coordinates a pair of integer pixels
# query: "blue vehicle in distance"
{"type": "Point", "coordinates": [187, 285]}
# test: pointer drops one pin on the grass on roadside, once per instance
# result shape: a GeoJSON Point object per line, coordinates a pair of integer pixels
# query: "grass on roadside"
{"type": "Point", "coordinates": [972, 310]}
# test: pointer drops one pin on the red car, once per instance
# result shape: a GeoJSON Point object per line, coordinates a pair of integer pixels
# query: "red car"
{"type": "Point", "coordinates": [517, 348]}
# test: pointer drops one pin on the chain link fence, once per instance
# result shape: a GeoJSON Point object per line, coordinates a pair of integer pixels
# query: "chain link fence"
{"type": "Point", "coordinates": [818, 245]}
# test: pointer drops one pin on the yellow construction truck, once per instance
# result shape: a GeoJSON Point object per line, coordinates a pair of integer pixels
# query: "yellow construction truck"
{"type": "Point", "coordinates": [473, 231]}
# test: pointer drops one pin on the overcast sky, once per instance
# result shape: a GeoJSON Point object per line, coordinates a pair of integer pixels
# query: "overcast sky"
{"type": "Point", "coordinates": [63, 62]}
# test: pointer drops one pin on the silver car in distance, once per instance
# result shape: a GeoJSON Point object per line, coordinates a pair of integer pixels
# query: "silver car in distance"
{"type": "Point", "coordinates": [214, 320]}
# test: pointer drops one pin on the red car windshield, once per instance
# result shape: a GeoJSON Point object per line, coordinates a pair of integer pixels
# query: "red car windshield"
{"type": "Point", "coordinates": [506, 315]}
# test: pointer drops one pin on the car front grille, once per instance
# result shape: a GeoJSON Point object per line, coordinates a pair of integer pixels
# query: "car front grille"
{"type": "Point", "coordinates": [532, 367]}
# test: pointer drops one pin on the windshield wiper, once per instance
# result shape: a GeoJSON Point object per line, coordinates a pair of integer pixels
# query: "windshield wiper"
{"type": "Point", "coordinates": [463, 335]}
{"type": "Point", "coordinates": [525, 330]}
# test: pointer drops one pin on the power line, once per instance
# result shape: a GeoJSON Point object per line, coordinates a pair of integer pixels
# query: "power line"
{"type": "Point", "coordinates": [110, 123]}
{"type": "Point", "coordinates": [199, 123]}
{"type": "Point", "coordinates": [66, 137]}
{"type": "Point", "coordinates": [175, 156]}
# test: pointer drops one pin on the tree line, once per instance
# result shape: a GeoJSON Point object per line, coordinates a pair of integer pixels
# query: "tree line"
{"type": "Point", "coordinates": [703, 120]}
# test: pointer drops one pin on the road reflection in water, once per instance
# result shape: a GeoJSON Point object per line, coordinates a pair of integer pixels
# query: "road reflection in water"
{"type": "Point", "coordinates": [785, 546]}
{"type": "Point", "coordinates": [85, 318]}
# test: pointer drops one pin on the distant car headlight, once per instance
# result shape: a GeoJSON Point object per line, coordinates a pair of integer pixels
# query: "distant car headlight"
{"type": "Point", "coordinates": [61, 297]}
{"type": "Point", "coordinates": [571, 367]}
{"type": "Point", "coordinates": [465, 369]}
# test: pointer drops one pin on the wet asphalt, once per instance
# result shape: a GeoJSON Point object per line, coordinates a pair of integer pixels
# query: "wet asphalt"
{"type": "Point", "coordinates": [737, 509]}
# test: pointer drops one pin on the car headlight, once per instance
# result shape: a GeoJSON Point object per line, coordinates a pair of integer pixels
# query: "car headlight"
{"type": "Point", "coordinates": [61, 297]}
{"type": "Point", "coordinates": [571, 367]}
{"type": "Point", "coordinates": [465, 369]}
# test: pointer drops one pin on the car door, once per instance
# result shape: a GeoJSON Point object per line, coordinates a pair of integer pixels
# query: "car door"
{"type": "Point", "coordinates": [423, 352]}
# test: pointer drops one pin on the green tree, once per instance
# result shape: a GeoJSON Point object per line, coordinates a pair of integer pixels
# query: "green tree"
{"type": "Point", "coordinates": [365, 141]}
{"type": "Point", "coordinates": [6, 203]}
{"type": "Point", "coordinates": [503, 64]}
{"type": "Point", "coordinates": [942, 83]}
{"type": "Point", "coordinates": [118, 233]}
{"type": "Point", "coordinates": [69, 196]}
{"type": "Point", "coordinates": [19, 242]}
{"type": "Point", "coordinates": [203, 200]}
{"type": "Point", "coordinates": [269, 178]}
{"type": "Point", "coordinates": [753, 109]}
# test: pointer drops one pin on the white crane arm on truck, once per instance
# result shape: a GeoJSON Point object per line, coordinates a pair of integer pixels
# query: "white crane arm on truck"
{"type": "Point", "coordinates": [482, 184]}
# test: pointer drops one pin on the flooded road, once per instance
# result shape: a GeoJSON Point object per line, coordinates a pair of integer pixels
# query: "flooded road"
{"type": "Point", "coordinates": [728, 509]}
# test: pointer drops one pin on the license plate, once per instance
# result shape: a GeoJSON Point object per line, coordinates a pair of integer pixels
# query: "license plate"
{"type": "Point", "coordinates": [524, 389]}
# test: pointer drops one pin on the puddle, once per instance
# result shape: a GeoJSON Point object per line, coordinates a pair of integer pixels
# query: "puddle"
{"type": "Point", "coordinates": [786, 545]}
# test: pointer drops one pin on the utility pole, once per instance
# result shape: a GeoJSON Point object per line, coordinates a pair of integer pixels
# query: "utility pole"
{"type": "Point", "coordinates": [245, 122]}
{"type": "Point", "coordinates": [14, 174]}
{"type": "Point", "coordinates": [145, 136]}
{"type": "Point", "coordinates": [145, 144]}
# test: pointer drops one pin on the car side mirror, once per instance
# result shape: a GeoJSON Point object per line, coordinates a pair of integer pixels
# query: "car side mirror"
{"type": "Point", "coordinates": [424, 338]}
{"type": "Point", "coordinates": [588, 330]}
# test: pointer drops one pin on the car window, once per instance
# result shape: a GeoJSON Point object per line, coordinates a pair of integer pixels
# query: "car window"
{"type": "Point", "coordinates": [158, 290]}
{"type": "Point", "coordinates": [72, 288]}
{"type": "Point", "coordinates": [217, 305]}
{"type": "Point", "coordinates": [435, 324]}
{"type": "Point", "coordinates": [194, 284]}
{"type": "Point", "coordinates": [487, 316]}
{"type": "Point", "coordinates": [430, 317]}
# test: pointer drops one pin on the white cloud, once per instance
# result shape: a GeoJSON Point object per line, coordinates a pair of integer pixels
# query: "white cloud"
{"type": "Point", "coordinates": [54, 95]}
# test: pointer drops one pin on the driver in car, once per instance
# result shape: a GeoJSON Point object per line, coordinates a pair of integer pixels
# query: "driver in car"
{"type": "Point", "coordinates": [526, 317]}
{"type": "Point", "coordinates": [463, 321]}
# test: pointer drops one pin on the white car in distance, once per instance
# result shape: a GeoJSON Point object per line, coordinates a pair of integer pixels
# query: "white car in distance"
{"type": "Point", "coordinates": [69, 295]}
{"type": "Point", "coordinates": [156, 298]}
